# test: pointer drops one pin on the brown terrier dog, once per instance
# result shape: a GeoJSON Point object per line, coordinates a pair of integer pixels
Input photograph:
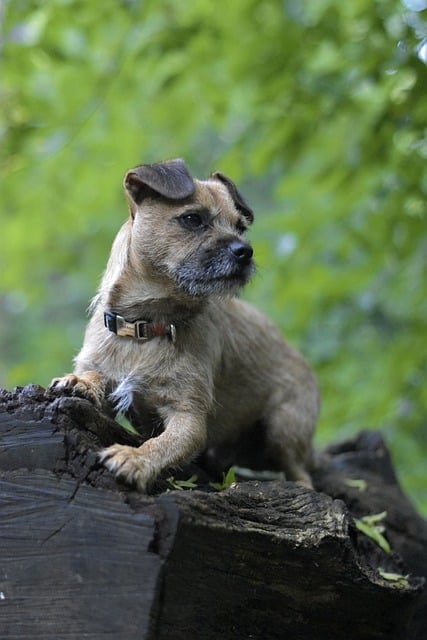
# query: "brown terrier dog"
{"type": "Point", "coordinates": [170, 347]}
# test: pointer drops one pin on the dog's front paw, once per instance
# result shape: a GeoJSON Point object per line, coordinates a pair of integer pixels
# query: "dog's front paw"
{"type": "Point", "coordinates": [129, 464]}
{"type": "Point", "coordinates": [88, 385]}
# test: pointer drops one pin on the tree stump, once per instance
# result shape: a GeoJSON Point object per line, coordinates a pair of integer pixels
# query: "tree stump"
{"type": "Point", "coordinates": [84, 556]}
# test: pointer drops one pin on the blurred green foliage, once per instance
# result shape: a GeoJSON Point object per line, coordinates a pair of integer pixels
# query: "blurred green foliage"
{"type": "Point", "coordinates": [318, 111]}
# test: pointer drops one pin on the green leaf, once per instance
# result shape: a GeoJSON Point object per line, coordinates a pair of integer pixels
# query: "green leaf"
{"type": "Point", "coordinates": [361, 485]}
{"type": "Point", "coordinates": [181, 485]}
{"type": "Point", "coordinates": [228, 479]}
{"type": "Point", "coordinates": [370, 527]}
{"type": "Point", "coordinates": [124, 422]}
{"type": "Point", "coordinates": [397, 578]}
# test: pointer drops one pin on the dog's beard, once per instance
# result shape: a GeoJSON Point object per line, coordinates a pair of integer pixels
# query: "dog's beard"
{"type": "Point", "coordinates": [216, 277]}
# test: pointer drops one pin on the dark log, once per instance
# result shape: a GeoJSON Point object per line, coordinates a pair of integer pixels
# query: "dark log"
{"type": "Point", "coordinates": [84, 556]}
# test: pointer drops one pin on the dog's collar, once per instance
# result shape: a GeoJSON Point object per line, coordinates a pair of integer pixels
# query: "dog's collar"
{"type": "Point", "coordinates": [141, 330]}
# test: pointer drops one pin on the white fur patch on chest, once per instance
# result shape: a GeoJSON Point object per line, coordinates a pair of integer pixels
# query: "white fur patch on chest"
{"type": "Point", "coordinates": [123, 395]}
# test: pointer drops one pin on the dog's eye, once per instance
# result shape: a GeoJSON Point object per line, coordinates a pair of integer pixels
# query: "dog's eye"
{"type": "Point", "coordinates": [192, 221]}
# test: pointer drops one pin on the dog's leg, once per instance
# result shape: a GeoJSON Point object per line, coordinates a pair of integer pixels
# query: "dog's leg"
{"type": "Point", "coordinates": [184, 436]}
{"type": "Point", "coordinates": [89, 385]}
{"type": "Point", "coordinates": [288, 440]}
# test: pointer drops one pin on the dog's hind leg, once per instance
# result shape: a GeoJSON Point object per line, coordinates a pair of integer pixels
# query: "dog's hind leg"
{"type": "Point", "coordinates": [288, 441]}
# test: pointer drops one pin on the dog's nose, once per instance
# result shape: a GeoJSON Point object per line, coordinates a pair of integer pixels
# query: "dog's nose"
{"type": "Point", "coordinates": [241, 251]}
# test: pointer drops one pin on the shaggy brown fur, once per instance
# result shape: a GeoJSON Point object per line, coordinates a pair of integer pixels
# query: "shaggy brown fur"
{"type": "Point", "coordinates": [222, 375]}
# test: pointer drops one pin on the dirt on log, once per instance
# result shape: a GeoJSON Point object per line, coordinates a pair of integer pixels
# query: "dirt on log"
{"type": "Point", "coordinates": [84, 556]}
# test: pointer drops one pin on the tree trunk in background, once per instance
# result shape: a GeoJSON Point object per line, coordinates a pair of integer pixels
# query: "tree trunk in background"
{"type": "Point", "coordinates": [83, 556]}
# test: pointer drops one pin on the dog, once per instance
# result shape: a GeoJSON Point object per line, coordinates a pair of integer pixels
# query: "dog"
{"type": "Point", "coordinates": [193, 367]}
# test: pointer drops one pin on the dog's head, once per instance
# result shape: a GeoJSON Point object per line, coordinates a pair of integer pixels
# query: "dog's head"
{"type": "Point", "coordinates": [188, 232]}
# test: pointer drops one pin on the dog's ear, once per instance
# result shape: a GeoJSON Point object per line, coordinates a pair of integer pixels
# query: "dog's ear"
{"type": "Point", "coordinates": [169, 179]}
{"type": "Point", "coordinates": [238, 199]}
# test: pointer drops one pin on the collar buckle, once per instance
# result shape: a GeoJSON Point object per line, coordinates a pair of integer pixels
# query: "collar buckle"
{"type": "Point", "coordinates": [141, 330]}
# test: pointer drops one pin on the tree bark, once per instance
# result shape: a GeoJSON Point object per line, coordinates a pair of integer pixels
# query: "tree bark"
{"type": "Point", "coordinates": [84, 556]}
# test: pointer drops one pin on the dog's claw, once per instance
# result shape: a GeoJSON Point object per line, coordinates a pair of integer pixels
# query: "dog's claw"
{"type": "Point", "coordinates": [89, 386]}
{"type": "Point", "coordinates": [128, 464]}
{"type": "Point", "coordinates": [104, 456]}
